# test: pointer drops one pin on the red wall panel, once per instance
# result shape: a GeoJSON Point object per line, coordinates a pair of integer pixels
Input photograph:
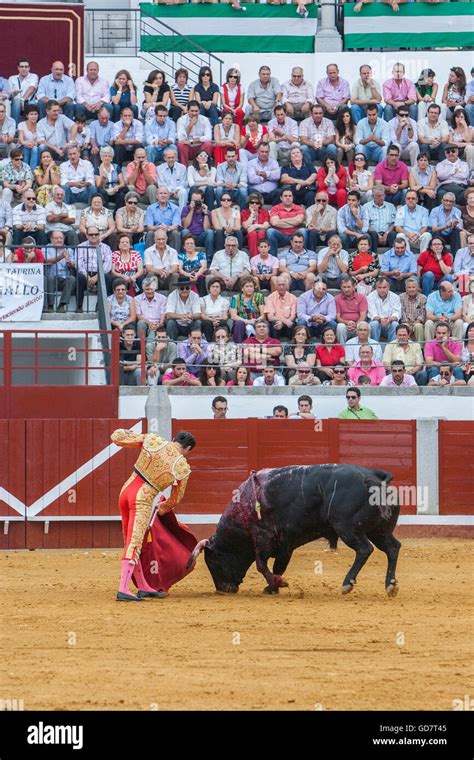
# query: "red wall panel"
{"type": "Point", "coordinates": [456, 467]}
{"type": "Point", "coordinates": [227, 450]}
{"type": "Point", "coordinates": [43, 33]}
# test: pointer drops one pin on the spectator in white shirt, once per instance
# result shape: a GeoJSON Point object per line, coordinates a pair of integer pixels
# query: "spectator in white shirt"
{"type": "Point", "coordinates": [385, 310]}
{"type": "Point", "coordinates": [62, 217]}
{"type": "Point", "coordinates": [29, 219]}
{"type": "Point", "coordinates": [127, 136]}
{"type": "Point", "coordinates": [404, 133]}
{"type": "Point", "coordinates": [77, 178]}
{"type": "Point", "coordinates": [269, 377]}
{"type": "Point", "coordinates": [92, 92]}
{"type": "Point", "coordinates": [162, 261]}
{"type": "Point", "coordinates": [174, 177]}
{"type": "Point", "coordinates": [23, 87]}
{"type": "Point", "coordinates": [398, 378]}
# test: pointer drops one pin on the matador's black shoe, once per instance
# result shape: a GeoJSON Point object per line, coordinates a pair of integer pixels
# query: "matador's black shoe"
{"type": "Point", "coordinates": [121, 597]}
{"type": "Point", "coordinates": [152, 594]}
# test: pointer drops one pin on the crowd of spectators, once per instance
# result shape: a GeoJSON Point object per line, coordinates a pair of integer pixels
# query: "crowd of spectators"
{"type": "Point", "coordinates": [283, 234]}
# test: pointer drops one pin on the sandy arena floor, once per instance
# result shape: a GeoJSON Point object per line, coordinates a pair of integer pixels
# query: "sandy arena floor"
{"type": "Point", "coordinates": [68, 645]}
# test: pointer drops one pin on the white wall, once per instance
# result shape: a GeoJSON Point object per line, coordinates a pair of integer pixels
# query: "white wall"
{"type": "Point", "coordinates": [386, 407]}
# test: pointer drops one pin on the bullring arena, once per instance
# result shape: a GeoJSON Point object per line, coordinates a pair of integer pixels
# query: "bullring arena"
{"type": "Point", "coordinates": [70, 644]}
{"type": "Point", "coordinates": [70, 376]}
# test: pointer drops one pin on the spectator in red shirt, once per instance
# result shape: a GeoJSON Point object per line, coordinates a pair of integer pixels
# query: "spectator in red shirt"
{"type": "Point", "coordinates": [285, 219]}
{"type": "Point", "coordinates": [434, 265]}
{"type": "Point", "coordinates": [328, 354]}
{"type": "Point", "coordinates": [255, 221]}
{"type": "Point", "coordinates": [351, 308]}
{"type": "Point", "coordinates": [260, 350]}
{"type": "Point", "coordinates": [393, 175]}
{"type": "Point", "coordinates": [332, 179]}
{"type": "Point", "coordinates": [27, 254]}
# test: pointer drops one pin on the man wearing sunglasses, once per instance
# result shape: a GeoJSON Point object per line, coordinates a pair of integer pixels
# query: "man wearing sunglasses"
{"type": "Point", "coordinates": [29, 219]}
{"type": "Point", "coordinates": [452, 174]}
{"type": "Point", "coordinates": [354, 409]}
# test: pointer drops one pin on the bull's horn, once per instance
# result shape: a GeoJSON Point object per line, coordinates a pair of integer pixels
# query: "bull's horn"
{"type": "Point", "coordinates": [196, 552]}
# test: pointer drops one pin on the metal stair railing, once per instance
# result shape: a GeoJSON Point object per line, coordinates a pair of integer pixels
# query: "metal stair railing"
{"type": "Point", "coordinates": [120, 33]}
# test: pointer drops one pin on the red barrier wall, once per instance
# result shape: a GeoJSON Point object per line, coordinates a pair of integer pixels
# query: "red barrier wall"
{"type": "Point", "coordinates": [228, 449]}
{"type": "Point", "coordinates": [456, 467]}
{"type": "Point", "coordinates": [42, 33]}
{"type": "Point", "coordinates": [39, 456]}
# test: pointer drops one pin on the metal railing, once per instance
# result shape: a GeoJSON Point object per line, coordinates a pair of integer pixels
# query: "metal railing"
{"type": "Point", "coordinates": [119, 34]}
{"type": "Point", "coordinates": [34, 357]}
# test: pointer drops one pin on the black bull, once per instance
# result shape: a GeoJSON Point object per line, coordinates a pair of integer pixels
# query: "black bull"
{"type": "Point", "coordinates": [276, 510]}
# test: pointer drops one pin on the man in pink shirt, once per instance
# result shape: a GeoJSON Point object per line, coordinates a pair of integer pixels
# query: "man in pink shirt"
{"type": "Point", "coordinates": [393, 175]}
{"type": "Point", "coordinates": [179, 375]}
{"type": "Point", "coordinates": [441, 350]}
{"type": "Point", "coordinates": [398, 378]}
{"type": "Point", "coordinates": [351, 308]}
{"type": "Point", "coordinates": [366, 366]}
{"type": "Point", "coordinates": [280, 310]}
{"type": "Point", "coordinates": [333, 92]}
{"type": "Point", "coordinates": [397, 92]}
{"type": "Point", "coordinates": [92, 93]}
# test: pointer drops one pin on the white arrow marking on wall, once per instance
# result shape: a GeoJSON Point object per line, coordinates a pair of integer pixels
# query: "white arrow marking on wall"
{"type": "Point", "coordinates": [70, 482]}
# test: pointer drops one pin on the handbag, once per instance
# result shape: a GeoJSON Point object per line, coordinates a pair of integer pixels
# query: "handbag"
{"type": "Point", "coordinates": [363, 288]}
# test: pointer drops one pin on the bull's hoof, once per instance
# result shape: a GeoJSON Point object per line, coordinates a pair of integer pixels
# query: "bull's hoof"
{"type": "Point", "coordinates": [271, 589]}
{"type": "Point", "coordinates": [348, 587]}
{"type": "Point", "coordinates": [392, 589]}
{"type": "Point", "coordinates": [227, 589]}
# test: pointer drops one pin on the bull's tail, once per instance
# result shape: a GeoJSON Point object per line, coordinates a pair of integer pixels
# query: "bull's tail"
{"type": "Point", "coordinates": [377, 483]}
{"type": "Point", "coordinates": [200, 546]}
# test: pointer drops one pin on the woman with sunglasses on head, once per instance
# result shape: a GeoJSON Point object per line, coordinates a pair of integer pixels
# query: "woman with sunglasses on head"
{"type": "Point", "coordinates": [130, 218]}
{"type": "Point", "coordinates": [454, 92]}
{"type": "Point", "coordinates": [210, 375]}
{"type": "Point", "coordinates": [360, 178]}
{"type": "Point", "coordinates": [207, 94]}
{"type": "Point", "coordinates": [233, 95]}
{"type": "Point", "coordinates": [255, 222]}
{"type": "Point", "coordinates": [156, 91]}
{"type": "Point", "coordinates": [202, 176]}
{"type": "Point", "coordinates": [226, 134]}
{"type": "Point", "coordinates": [226, 220]}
